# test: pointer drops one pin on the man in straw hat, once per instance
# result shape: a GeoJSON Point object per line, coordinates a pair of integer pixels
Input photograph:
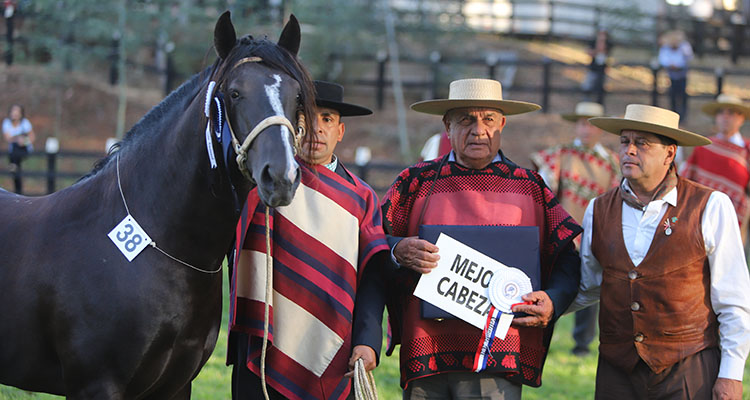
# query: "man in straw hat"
{"type": "Point", "coordinates": [664, 256]}
{"type": "Point", "coordinates": [475, 185]}
{"type": "Point", "coordinates": [724, 165]}
{"type": "Point", "coordinates": [328, 250]}
{"type": "Point", "coordinates": [577, 172]}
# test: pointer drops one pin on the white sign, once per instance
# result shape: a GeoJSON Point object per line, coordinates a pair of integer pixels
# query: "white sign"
{"type": "Point", "coordinates": [460, 283]}
{"type": "Point", "coordinates": [129, 237]}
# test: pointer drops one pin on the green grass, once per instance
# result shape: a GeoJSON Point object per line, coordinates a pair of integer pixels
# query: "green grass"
{"type": "Point", "coordinates": [565, 376]}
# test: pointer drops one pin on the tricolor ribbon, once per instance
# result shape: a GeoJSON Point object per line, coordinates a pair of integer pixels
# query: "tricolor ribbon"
{"type": "Point", "coordinates": [485, 344]}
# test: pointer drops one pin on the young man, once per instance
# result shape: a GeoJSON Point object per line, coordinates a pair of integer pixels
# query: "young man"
{"type": "Point", "coordinates": [577, 172]}
{"type": "Point", "coordinates": [724, 165]}
{"type": "Point", "coordinates": [665, 256]}
{"type": "Point", "coordinates": [474, 185]}
{"type": "Point", "coordinates": [328, 247]}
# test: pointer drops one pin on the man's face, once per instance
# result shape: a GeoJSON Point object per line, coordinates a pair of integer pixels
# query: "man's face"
{"type": "Point", "coordinates": [328, 130]}
{"type": "Point", "coordinates": [644, 160]}
{"type": "Point", "coordinates": [474, 134]}
{"type": "Point", "coordinates": [728, 121]}
{"type": "Point", "coordinates": [588, 134]}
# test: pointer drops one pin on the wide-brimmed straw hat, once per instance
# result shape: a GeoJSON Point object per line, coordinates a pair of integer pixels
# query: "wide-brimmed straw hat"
{"type": "Point", "coordinates": [585, 109]}
{"type": "Point", "coordinates": [656, 120]}
{"type": "Point", "coordinates": [726, 101]}
{"type": "Point", "coordinates": [474, 93]}
{"type": "Point", "coordinates": [331, 95]}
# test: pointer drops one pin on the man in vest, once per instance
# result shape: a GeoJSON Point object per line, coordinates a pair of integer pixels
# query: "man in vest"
{"type": "Point", "coordinates": [328, 247]}
{"type": "Point", "coordinates": [665, 256]}
{"type": "Point", "coordinates": [477, 185]}
{"type": "Point", "coordinates": [577, 172]}
{"type": "Point", "coordinates": [724, 165]}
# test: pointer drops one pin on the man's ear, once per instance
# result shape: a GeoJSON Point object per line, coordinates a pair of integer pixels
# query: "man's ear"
{"type": "Point", "coordinates": [671, 154]}
{"type": "Point", "coordinates": [342, 130]}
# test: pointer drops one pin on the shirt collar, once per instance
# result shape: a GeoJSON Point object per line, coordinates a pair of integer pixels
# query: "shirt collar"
{"type": "Point", "coordinates": [452, 157]}
{"type": "Point", "coordinates": [670, 197]}
{"type": "Point", "coordinates": [737, 139]}
{"type": "Point", "coordinates": [333, 164]}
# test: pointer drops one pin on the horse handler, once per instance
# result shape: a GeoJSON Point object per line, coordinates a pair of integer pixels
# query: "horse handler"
{"type": "Point", "coordinates": [328, 248]}
{"type": "Point", "coordinates": [664, 254]}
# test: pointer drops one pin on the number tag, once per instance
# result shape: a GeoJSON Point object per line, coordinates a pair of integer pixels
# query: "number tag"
{"type": "Point", "coordinates": [129, 237]}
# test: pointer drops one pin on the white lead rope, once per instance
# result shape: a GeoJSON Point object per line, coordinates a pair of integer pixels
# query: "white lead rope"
{"type": "Point", "coordinates": [269, 294]}
{"type": "Point", "coordinates": [364, 382]}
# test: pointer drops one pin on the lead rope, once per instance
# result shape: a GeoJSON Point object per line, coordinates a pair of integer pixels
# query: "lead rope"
{"type": "Point", "coordinates": [364, 382]}
{"type": "Point", "coordinates": [269, 293]}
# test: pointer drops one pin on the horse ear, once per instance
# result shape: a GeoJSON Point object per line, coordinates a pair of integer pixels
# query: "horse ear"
{"type": "Point", "coordinates": [290, 36]}
{"type": "Point", "coordinates": [224, 36]}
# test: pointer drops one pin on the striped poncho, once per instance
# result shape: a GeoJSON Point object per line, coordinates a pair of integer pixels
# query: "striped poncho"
{"type": "Point", "coordinates": [723, 166]}
{"type": "Point", "coordinates": [320, 245]}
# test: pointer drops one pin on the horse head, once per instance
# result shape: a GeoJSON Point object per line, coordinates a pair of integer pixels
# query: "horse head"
{"type": "Point", "coordinates": [265, 88]}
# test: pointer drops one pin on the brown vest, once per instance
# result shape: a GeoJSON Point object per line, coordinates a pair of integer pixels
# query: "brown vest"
{"type": "Point", "coordinates": [661, 310]}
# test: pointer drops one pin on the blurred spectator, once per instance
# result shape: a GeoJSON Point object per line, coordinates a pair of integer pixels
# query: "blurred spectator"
{"type": "Point", "coordinates": [18, 132]}
{"type": "Point", "coordinates": [674, 55]}
{"type": "Point", "coordinates": [576, 173]}
{"type": "Point", "coordinates": [593, 84]}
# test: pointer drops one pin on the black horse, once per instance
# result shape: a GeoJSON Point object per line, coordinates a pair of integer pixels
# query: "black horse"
{"type": "Point", "coordinates": [78, 319]}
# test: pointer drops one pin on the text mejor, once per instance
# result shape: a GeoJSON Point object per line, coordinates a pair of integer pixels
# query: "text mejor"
{"type": "Point", "coordinates": [455, 289]}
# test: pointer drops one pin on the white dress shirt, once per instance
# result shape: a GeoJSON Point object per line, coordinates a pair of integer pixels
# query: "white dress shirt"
{"type": "Point", "coordinates": [730, 281]}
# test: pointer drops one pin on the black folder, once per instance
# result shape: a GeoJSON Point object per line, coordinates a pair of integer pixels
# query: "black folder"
{"type": "Point", "coordinates": [514, 246]}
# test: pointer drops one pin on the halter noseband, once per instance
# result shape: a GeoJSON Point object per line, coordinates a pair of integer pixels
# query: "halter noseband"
{"type": "Point", "coordinates": [241, 149]}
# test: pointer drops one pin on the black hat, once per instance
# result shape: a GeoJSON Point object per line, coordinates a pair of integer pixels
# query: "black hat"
{"type": "Point", "coordinates": [330, 95]}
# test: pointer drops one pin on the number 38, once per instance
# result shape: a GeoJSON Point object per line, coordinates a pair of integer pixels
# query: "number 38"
{"type": "Point", "coordinates": [133, 242]}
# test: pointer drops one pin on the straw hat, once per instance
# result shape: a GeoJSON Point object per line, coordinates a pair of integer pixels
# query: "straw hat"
{"type": "Point", "coordinates": [474, 93]}
{"type": "Point", "coordinates": [651, 119]}
{"type": "Point", "coordinates": [723, 101]}
{"type": "Point", "coordinates": [585, 109]}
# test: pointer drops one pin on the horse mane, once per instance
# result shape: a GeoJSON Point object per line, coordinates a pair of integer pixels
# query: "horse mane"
{"type": "Point", "coordinates": [273, 56]}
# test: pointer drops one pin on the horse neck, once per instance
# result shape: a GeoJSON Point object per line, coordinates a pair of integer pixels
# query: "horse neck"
{"type": "Point", "coordinates": [167, 183]}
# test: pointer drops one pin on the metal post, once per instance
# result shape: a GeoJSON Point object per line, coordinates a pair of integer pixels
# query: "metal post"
{"type": "Point", "coordinates": [114, 59]}
{"type": "Point", "coordinates": [738, 36]}
{"type": "Point", "coordinates": [719, 72]}
{"type": "Point", "coordinates": [9, 13]}
{"type": "Point", "coordinates": [382, 58]}
{"type": "Point", "coordinates": [51, 147]}
{"type": "Point", "coordinates": [655, 86]}
{"type": "Point", "coordinates": [546, 73]}
{"type": "Point", "coordinates": [491, 61]}
{"type": "Point", "coordinates": [435, 70]}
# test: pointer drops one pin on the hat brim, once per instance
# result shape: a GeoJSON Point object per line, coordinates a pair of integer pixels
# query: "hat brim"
{"type": "Point", "coordinates": [440, 107]}
{"type": "Point", "coordinates": [681, 136]}
{"type": "Point", "coordinates": [344, 109]}
{"type": "Point", "coordinates": [712, 108]}
{"type": "Point", "coordinates": [576, 117]}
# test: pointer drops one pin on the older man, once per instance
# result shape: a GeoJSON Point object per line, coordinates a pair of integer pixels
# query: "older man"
{"type": "Point", "coordinates": [665, 256]}
{"type": "Point", "coordinates": [475, 184]}
{"type": "Point", "coordinates": [724, 165]}
{"type": "Point", "coordinates": [577, 172]}
{"type": "Point", "coordinates": [327, 247]}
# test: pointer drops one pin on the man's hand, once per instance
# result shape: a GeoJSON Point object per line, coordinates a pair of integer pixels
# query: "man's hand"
{"type": "Point", "coordinates": [540, 311]}
{"type": "Point", "coordinates": [727, 389]}
{"type": "Point", "coordinates": [366, 353]}
{"type": "Point", "coordinates": [417, 254]}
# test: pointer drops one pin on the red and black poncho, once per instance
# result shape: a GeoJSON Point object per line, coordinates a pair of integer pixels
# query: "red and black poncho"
{"type": "Point", "coordinates": [500, 194]}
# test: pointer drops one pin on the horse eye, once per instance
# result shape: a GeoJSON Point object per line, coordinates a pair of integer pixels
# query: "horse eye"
{"type": "Point", "coordinates": [234, 94]}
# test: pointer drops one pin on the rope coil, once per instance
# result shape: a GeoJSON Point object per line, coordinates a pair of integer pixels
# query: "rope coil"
{"type": "Point", "coordinates": [364, 382]}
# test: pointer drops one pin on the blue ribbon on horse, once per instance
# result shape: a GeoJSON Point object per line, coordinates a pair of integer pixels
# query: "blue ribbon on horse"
{"type": "Point", "coordinates": [220, 126]}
